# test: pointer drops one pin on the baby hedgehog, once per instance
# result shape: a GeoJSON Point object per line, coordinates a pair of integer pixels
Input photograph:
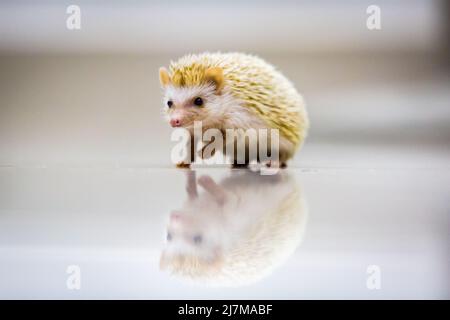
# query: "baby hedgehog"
{"type": "Point", "coordinates": [234, 91]}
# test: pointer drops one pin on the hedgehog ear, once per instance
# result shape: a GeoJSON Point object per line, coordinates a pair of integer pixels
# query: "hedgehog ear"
{"type": "Point", "coordinates": [164, 77]}
{"type": "Point", "coordinates": [215, 75]}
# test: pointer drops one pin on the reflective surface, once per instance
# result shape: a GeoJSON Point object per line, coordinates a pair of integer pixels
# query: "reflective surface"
{"type": "Point", "coordinates": [233, 233]}
{"type": "Point", "coordinates": [237, 230]}
{"type": "Point", "coordinates": [89, 196]}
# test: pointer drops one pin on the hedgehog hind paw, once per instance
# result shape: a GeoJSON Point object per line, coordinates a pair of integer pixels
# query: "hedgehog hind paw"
{"type": "Point", "coordinates": [276, 164]}
{"type": "Point", "coordinates": [239, 165]}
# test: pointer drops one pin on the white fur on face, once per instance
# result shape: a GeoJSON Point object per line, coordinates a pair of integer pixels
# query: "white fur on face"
{"type": "Point", "coordinates": [221, 111]}
{"type": "Point", "coordinates": [183, 95]}
{"type": "Point", "coordinates": [183, 98]}
{"type": "Point", "coordinates": [215, 112]}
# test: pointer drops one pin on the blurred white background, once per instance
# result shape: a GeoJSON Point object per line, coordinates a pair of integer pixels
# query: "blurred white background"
{"type": "Point", "coordinates": [375, 167]}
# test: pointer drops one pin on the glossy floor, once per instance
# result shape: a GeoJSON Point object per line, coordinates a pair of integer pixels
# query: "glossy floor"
{"type": "Point", "coordinates": [88, 191]}
{"type": "Point", "coordinates": [221, 233]}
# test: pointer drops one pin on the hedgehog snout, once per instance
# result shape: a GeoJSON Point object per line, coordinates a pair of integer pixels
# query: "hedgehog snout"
{"type": "Point", "coordinates": [176, 118]}
{"type": "Point", "coordinates": [175, 122]}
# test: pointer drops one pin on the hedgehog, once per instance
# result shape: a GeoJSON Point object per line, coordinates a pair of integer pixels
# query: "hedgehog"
{"type": "Point", "coordinates": [235, 231]}
{"type": "Point", "coordinates": [234, 91]}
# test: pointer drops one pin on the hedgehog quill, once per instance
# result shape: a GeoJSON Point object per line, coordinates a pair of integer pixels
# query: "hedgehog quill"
{"type": "Point", "coordinates": [235, 91]}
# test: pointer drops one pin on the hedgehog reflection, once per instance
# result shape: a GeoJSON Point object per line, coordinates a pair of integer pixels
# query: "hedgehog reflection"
{"type": "Point", "coordinates": [234, 232]}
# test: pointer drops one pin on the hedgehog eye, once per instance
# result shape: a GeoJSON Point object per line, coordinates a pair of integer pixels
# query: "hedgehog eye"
{"type": "Point", "coordinates": [198, 101]}
{"type": "Point", "coordinates": [169, 103]}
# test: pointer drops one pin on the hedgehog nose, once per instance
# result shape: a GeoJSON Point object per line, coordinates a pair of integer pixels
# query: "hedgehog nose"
{"type": "Point", "coordinates": [175, 122]}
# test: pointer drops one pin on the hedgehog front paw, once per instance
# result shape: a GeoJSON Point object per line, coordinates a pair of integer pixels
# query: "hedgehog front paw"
{"type": "Point", "coordinates": [183, 165]}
